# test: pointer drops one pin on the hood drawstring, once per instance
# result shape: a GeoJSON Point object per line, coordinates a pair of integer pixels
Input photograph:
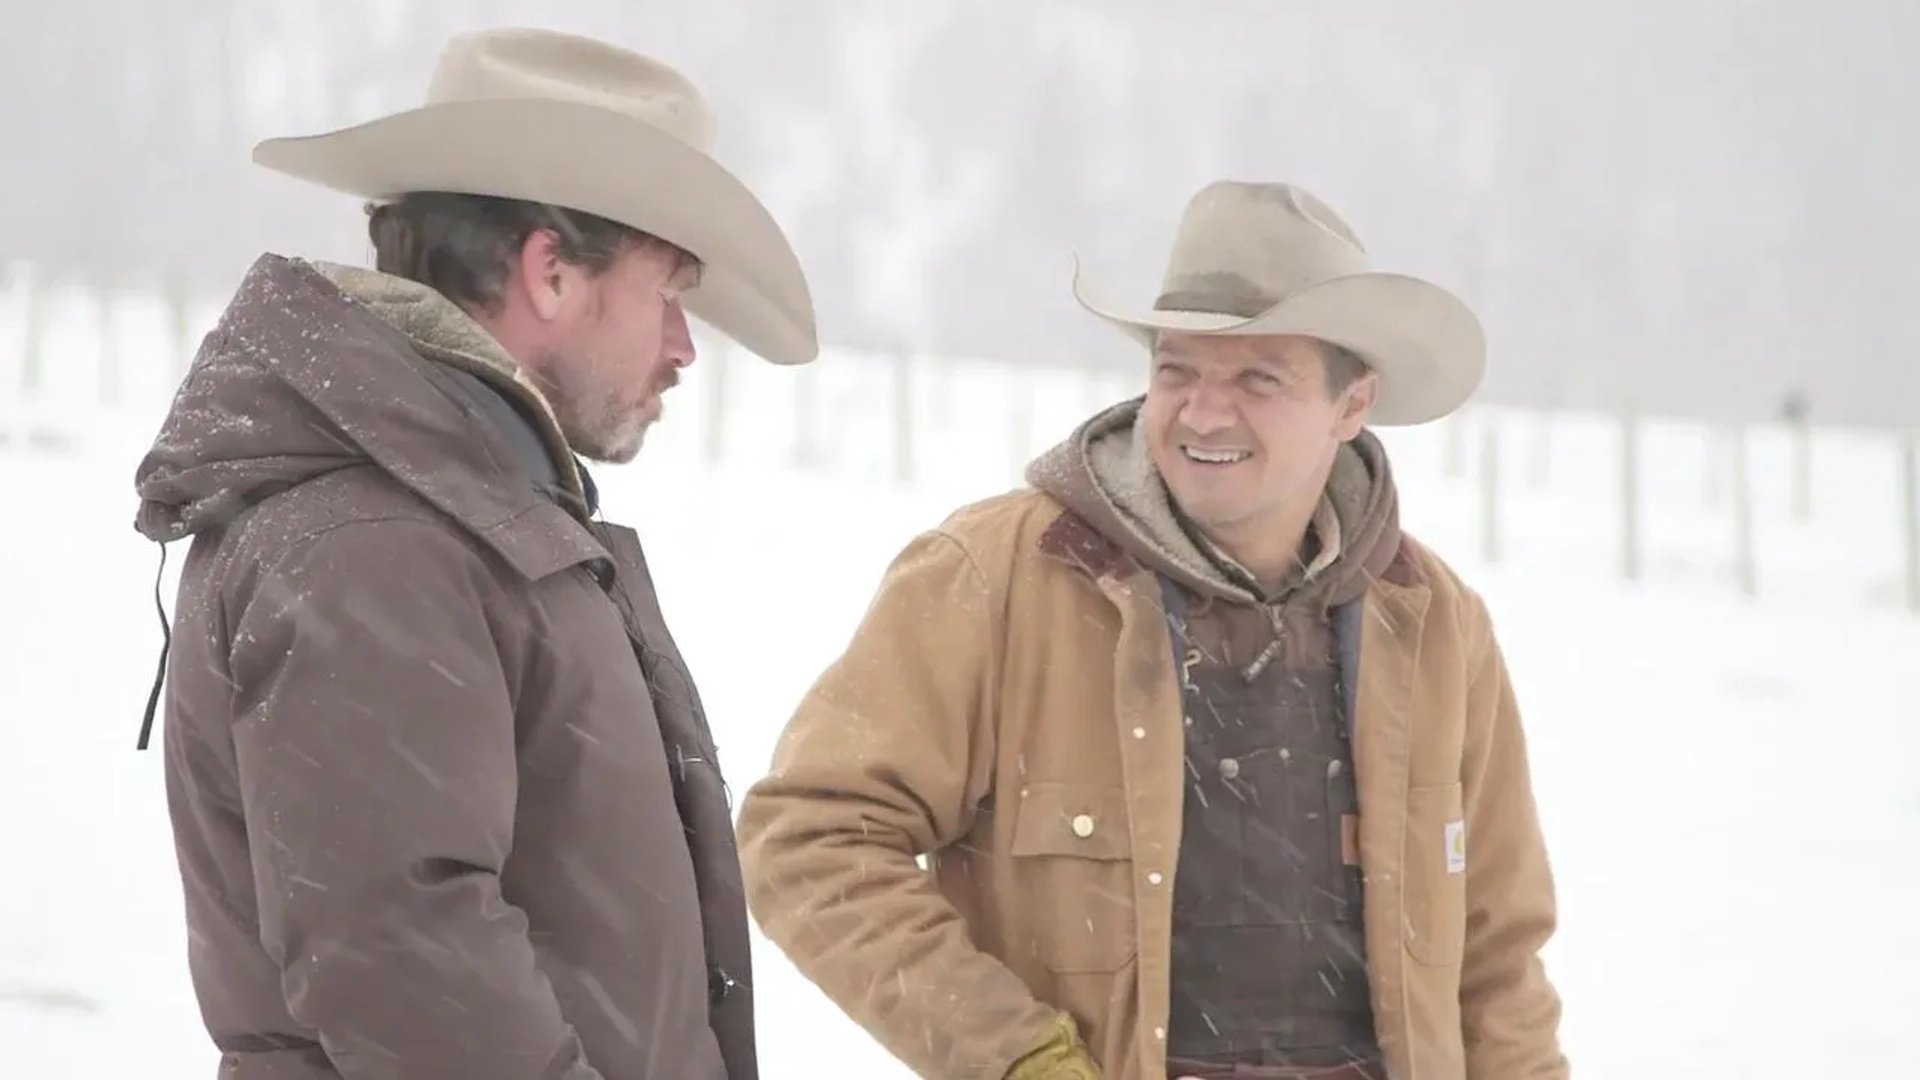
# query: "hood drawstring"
{"type": "Point", "coordinates": [1274, 619]}
{"type": "Point", "coordinates": [166, 646]}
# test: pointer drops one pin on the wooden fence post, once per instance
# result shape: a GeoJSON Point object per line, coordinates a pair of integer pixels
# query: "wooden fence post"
{"type": "Point", "coordinates": [1719, 460]}
{"type": "Point", "coordinates": [903, 470]}
{"type": "Point", "coordinates": [1746, 571]}
{"type": "Point", "coordinates": [1801, 437]}
{"type": "Point", "coordinates": [111, 371]}
{"type": "Point", "coordinates": [1630, 539]}
{"type": "Point", "coordinates": [1910, 514]}
{"type": "Point", "coordinates": [1543, 450]}
{"type": "Point", "coordinates": [39, 318]}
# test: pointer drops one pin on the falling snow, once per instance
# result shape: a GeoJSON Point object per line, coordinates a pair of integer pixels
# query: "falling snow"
{"type": "Point", "coordinates": [1729, 790]}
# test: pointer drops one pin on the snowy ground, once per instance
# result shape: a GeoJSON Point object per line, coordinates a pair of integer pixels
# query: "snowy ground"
{"type": "Point", "coordinates": [1730, 788]}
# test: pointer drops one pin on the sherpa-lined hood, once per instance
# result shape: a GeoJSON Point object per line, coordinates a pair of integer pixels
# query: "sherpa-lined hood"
{"type": "Point", "coordinates": [315, 367]}
{"type": "Point", "coordinates": [1104, 473]}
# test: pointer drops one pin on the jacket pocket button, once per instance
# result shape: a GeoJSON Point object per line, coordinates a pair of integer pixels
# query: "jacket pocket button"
{"type": "Point", "coordinates": [1082, 826]}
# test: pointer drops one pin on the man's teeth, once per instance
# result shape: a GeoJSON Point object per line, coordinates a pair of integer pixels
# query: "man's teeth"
{"type": "Point", "coordinates": [1216, 457]}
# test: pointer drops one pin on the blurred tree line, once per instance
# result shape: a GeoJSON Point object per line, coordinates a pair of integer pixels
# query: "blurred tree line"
{"type": "Point", "coordinates": [1688, 208]}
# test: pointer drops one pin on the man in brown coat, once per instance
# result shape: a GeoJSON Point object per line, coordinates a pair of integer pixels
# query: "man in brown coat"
{"type": "Point", "coordinates": [1216, 771]}
{"type": "Point", "coordinates": [445, 799]}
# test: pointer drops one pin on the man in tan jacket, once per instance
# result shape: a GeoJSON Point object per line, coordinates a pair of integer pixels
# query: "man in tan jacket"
{"type": "Point", "coordinates": [1216, 771]}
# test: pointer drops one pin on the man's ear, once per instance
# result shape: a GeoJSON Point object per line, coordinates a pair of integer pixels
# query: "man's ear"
{"type": "Point", "coordinates": [540, 274]}
{"type": "Point", "coordinates": [1356, 404]}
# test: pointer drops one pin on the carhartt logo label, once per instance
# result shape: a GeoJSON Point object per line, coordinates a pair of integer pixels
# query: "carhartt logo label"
{"type": "Point", "coordinates": [1456, 847]}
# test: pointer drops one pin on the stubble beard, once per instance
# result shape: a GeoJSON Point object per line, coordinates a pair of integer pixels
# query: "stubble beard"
{"type": "Point", "coordinates": [597, 424]}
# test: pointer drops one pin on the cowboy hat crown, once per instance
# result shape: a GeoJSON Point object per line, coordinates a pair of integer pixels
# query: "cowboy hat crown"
{"type": "Point", "coordinates": [581, 124]}
{"type": "Point", "coordinates": [1272, 258]}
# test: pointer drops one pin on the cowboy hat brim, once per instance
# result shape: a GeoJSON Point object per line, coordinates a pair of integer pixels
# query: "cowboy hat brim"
{"type": "Point", "coordinates": [591, 159]}
{"type": "Point", "coordinates": [1425, 344]}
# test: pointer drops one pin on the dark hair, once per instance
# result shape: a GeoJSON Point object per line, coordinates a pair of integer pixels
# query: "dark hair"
{"type": "Point", "coordinates": [464, 246]}
{"type": "Point", "coordinates": [1344, 367]}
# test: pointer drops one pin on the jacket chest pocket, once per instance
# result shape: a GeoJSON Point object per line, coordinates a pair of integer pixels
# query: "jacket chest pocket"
{"type": "Point", "coordinates": [1072, 855]}
{"type": "Point", "coordinates": [1263, 840]}
{"type": "Point", "coordinates": [1434, 887]}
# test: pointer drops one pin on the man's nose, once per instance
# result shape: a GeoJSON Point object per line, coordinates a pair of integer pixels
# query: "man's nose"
{"type": "Point", "coordinates": [1207, 410]}
{"type": "Point", "coordinates": [676, 337]}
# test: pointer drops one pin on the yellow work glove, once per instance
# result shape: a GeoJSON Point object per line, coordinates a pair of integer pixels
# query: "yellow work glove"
{"type": "Point", "coordinates": [1062, 1057]}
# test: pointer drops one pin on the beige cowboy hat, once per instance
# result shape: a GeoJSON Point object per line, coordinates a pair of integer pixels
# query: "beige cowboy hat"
{"type": "Point", "coordinates": [1270, 258]}
{"type": "Point", "coordinates": [584, 125]}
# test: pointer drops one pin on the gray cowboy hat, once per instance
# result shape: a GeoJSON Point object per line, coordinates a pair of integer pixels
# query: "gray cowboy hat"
{"type": "Point", "coordinates": [581, 124]}
{"type": "Point", "coordinates": [1270, 258]}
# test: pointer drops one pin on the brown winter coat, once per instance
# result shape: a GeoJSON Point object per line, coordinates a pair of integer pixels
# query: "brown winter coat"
{"type": "Point", "coordinates": [445, 801]}
{"type": "Point", "coordinates": [1012, 684]}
